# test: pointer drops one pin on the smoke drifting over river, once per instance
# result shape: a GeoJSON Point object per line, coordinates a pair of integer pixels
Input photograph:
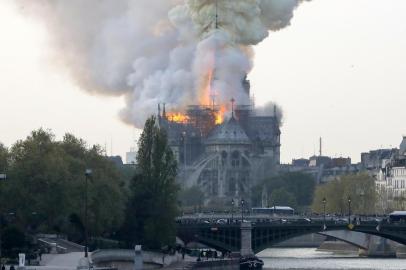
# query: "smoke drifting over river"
{"type": "Point", "coordinates": [159, 51]}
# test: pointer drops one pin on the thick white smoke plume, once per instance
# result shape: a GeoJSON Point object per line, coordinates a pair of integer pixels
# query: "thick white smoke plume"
{"type": "Point", "coordinates": [159, 51]}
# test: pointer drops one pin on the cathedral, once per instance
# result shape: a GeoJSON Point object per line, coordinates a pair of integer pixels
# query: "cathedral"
{"type": "Point", "coordinates": [225, 159]}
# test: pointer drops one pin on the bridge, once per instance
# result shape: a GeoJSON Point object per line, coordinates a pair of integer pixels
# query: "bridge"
{"type": "Point", "coordinates": [255, 236]}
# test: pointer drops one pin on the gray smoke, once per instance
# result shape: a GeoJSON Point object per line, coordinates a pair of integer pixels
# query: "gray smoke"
{"type": "Point", "coordinates": [155, 51]}
{"type": "Point", "coordinates": [270, 109]}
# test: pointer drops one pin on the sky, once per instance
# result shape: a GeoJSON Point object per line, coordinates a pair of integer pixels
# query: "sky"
{"type": "Point", "coordinates": [338, 72]}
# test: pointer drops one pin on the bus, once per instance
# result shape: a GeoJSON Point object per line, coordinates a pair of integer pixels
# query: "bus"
{"type": "Point", "coordinates": [397, 216]}
{"type": "Point", "coordinates": [278, 210]}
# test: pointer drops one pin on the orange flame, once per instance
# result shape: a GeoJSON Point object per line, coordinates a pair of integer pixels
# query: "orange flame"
{"type": "Point", "coordinates": [206, 94]}
{"type": "Point", "coordinates": [220, 115]}
{"type": "Point", "coordinates": [178, 117]}
{"type": "Point", "coordinates": [206, 99]}
{"type": "Point", "coordinates": [205, 91]}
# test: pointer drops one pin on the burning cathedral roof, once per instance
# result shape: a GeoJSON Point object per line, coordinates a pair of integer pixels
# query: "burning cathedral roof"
{"type": "Point", "coordinates": [230, 132]}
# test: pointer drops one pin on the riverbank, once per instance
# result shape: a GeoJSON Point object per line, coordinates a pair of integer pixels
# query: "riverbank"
{"type": "Point", "coordinates": [191, 263]}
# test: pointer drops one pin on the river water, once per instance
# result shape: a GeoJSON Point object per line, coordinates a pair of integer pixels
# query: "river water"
{"type": "Point", "coordinates": [310, 258]}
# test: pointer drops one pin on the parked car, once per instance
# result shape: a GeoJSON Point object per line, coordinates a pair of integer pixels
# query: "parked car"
{"type": "Point", "coordinates": [221, 221]}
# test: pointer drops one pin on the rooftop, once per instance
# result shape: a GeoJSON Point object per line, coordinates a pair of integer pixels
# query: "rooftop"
{"type": "Point", "coordinates": [402, 147]}
{"type": "Point", "coordinates": [230, 132]}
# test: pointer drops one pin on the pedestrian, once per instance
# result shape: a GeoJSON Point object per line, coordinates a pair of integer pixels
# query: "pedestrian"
{"type": "Point", "coordinates": [3, 267]}
{"type": "Point", "coordinates": [183, 253]}
{"type": "Point", "coordinates": [12, 267]}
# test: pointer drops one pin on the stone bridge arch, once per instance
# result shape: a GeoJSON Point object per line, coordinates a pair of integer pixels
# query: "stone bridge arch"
{"type": "Point", "coordinates": [227, 237]}
{"type": "Point", "coordinates": [264, 236]}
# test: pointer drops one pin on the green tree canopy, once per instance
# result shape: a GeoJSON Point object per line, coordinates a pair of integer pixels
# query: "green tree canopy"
{"type": "Point", "coordinates": [281, 196]}
{"type": "Point", "coordinates": [4, 156]}
{"type": "Point", "coordinates": [45, 185]}
{"type": "Point", "coordinates": [359, 187]}
{"type": "Point", "coordinates": [4, 161]}
{"type": "Point", "coordinates": [296, 186]}
{"type": "Point", "coordinates": [152, 207]}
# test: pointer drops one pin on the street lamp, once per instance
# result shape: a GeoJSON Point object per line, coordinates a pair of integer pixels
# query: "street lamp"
{"type": "Point", "coordinates": [184, 150]}
{"type": "Point", "coordinates": [88, 174]}
{"type": "Point", "coordinates": [3, 177]}
{"type": "Point", "coordinates": [349, 210]}
{"type": "Point", "coordinates": [232, 210]}
{"type": "Point", "coordinates": [324, 201]}
{"type": "Point", "coordinates": [242, 210]}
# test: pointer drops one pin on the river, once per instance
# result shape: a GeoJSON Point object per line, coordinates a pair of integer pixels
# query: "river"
{"type": "Point", "coordinates": [310, 258]}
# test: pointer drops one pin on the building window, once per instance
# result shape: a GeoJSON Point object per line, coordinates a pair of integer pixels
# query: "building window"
{"type": "Point", "coordinates": [224, 158]}
{"type": "Point", "coordinates": [235, 159]}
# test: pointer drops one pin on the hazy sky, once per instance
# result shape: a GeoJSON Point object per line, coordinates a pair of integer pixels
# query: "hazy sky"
{"type": "Point", "coordinates": [338, 72]}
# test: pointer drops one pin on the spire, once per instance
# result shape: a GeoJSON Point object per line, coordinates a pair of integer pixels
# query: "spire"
{"type": "Point", "coordinates": [213, 99]}
{"type": "Point", "coordinates": [320, 147]}
{"type": "Point", "coordinates": [164, 112]}
{"type": "Point", "coordinates": [217, 17]}
{"type": "Point", "coordinates": [232, 107]}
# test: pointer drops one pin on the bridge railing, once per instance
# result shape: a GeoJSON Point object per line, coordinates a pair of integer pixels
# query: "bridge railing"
{"type": "Point", "coordinates": [261, 219]}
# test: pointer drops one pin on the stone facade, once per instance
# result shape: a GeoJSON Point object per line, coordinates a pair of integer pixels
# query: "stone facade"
{"type": "Point", "coordinates": [224, 160]}
{"type": "Point", "coordinates": [391, 180]}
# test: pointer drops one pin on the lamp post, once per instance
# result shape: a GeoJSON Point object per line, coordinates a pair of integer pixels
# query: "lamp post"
{"type": "Point", "coordinates": [324, 201]}
{"type": "Point", "coordinates": [349, 210]}
{"type": "Point", "coordinates": [232, 210]}
{"type": "Point", "coordinates": [184, 150]}
{"type": "Point", "coordinates": [88, 173]}
{"type": "Point", "coordinates": [3, 177]}
{"type": "Point", "coordinates": [242, 210]}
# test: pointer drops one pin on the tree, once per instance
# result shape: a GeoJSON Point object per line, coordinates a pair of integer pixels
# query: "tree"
{"type": "Point", "coordinates": [38, 179]}
{"type": "Point", "coordinates": [152, 207]}
{"type": "Point", "coordinates": [4, 156]}
{"type": "Point", "coordinates": [13, 239]}
{"type": "Point", "coordinates": [333, 192]}
{"type": "Point", "coordinates": [281, 196]}
{"type": "Point", "coordinates": [299, 187]}
{"type": "Point", "coordinates": [359, 187]}
{"type": "Point", "coordinates": [191, 197]}
{"type": "Point", "coordinates": [45, 186]}
{"type": "Point", "coordinates": [4, 162]}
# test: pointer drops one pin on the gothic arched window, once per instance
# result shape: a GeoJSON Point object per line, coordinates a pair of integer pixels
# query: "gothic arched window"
{"type": "Point", "coordinates": [235, 159]}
